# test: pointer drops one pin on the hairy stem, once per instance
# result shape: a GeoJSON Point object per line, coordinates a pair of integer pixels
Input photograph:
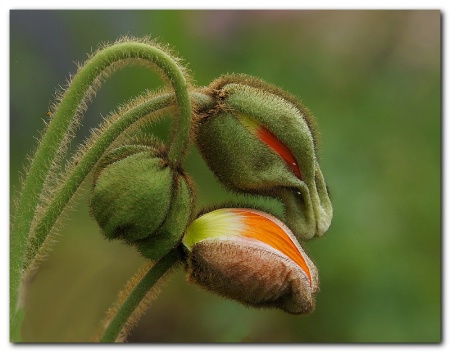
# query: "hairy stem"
{"type": "Point", "coordinates": [86, 163]}
{"type": "Point", "coordinates": [80, 88]}
{"type": "Point", "coordinates": [124, 313]}
{"type": "Point", "coordinates": [77, 175]}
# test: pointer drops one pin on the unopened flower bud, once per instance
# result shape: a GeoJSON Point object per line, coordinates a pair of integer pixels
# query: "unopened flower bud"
{"type": "Point", "coordinates": [260, 140]}
{"type": "Point", "coordinates": [139, 198]}
{"type": "Point", "coordinates": [251, 257]}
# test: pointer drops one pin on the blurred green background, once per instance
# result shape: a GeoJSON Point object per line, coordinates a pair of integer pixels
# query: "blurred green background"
{"type": "Point", "coordinates": [371, 78]}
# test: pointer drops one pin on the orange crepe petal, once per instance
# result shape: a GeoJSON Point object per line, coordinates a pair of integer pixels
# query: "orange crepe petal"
{"type": "Point", "coordinates": [267, 231]}
{"type": "Point", "coordinates": [272, 141]}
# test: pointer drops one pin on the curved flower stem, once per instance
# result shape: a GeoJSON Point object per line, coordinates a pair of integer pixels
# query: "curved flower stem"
{"type": "Point", "coordinates": [77, 175]}
{"type": "Point", "coordinates": [81, 87]}
{"type": "Point", "coordinates": [124, 314]}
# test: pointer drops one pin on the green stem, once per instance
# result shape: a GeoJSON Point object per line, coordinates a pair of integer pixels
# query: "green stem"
{"type": "Point", "coordinates": [123, 314]}
{"type": "Point", "coordinates": [78, 174]}
{"type": "Point", "coordinates": [81, 86]}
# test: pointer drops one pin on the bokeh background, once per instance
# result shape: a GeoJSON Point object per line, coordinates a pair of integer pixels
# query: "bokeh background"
{"type": "Point", "coordinates": [371, 78]}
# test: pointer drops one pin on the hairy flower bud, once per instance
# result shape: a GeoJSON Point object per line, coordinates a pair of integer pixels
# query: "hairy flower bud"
{"type": "Point", "coordinates": [260, 140]}
{"type": "Point", "coordinates": [251, 257]}
{"type": "Point", "coordinates": [139, 198]}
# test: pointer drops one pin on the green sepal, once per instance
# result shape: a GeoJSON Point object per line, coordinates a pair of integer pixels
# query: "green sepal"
{"type": "Point", "coordinates": [169, 234]}
{"type": "Point", "coordinates": [238, 158]}
{"type": "Point", "coordinates": [121, 153]}
{"type": "Point", "coordinates": [131, 196]}
{"type": "Point", "coordinates": [279, 116]}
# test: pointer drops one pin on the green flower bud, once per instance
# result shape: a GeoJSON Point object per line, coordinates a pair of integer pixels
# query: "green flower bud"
{"type": "Point", "coordinates": [139, 198]}
{"type": "Point", "coordinates": [260, 140]}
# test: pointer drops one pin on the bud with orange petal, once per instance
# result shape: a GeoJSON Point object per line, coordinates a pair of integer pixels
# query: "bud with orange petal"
{"type": "Point", "coordinates": [261, 140]}
{"type": "Point", "coordinates": [252, 257]}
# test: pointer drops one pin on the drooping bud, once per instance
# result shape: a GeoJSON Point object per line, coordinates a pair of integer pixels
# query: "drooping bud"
{"type": "Point", "coordinates": [251, 257]}
{"type": "Point", "coordinates": [139, 198]}
{"type": "Point", "coordinates": [261, 140]}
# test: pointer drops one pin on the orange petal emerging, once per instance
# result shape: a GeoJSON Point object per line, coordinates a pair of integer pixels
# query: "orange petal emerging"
{"type": "Point", "coordinates": [240, 223]}
{"type": "Point", "coordinates": [252, 257]}
{"type": "Point", "coordinates": [273, 142]}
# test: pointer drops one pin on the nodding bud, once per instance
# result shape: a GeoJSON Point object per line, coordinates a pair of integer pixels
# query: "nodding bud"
{"type": "Point", "coordinates": [260, 140]}
{"type": "Point", "coordinates": [139, 198]}
{"type": "Point", "coordinates": [251, 257]}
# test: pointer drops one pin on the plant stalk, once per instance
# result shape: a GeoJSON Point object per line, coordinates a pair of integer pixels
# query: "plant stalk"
{"type": "Point", "coordinates": [81, 87]}
{"type": "Point", "coordinates": [143, 287]}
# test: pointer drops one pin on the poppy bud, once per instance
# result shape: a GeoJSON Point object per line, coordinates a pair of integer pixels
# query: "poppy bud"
{"type": "Point", "coordinates": [251, 257]}
{"type": "Point", "coordinates": [139, 198]}
{"type": "Point", "coordinates": [260, 140]}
